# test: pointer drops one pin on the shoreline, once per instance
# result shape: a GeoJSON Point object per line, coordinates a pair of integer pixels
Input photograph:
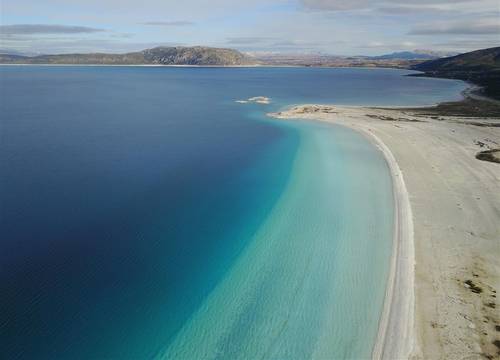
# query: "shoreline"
{"type": "Point", "coordinates": [394, 321]}
{"type": "Point", "coordinates": [226, 66]}
{"type": "Point", "coordinates": [391, 325]}
{"type": "Point", "coordinates": [140, 65]}
{"type": "Point", "coordinates": [425, 287]}
{"type": "Point", "coordinates": [283, 297]}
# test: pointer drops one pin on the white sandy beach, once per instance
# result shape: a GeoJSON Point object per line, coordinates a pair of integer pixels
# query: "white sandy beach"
{"type": "Point", "coordinates": [441, 294]}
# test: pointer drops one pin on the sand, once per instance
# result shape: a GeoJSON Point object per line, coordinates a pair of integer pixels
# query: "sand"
{"type": "Point", "coordinates": [441, 295]}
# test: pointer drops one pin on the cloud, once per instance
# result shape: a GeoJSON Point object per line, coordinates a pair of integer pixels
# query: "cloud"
{"type": "Point", "coordinates": [267, 25]}
{"type": "Point", "coordinates": [390, 45]}
{"type": "Point", "coordinates": [168, 23]}
{"type": "Point", "coordinates": [58, 46]}
{"type": "Point", "coordinates": [301, 44]}
{"type": "Point", "coordinates": [342, 5]}
{"type": "Point", "coordinates": [335, 5]}
{"type": "Point", "coordinates": [32, 29]}
{"type": "Point", "coordinates": [480, 27]}
{"type": "Point", "coordinates": [375, 44]}
{"type": "Point", "coordinates": [465, 44]}
{"type": "Point", "coordinates": [248, 40]}
{"type": "Point", "coordinates": [260, 43]}
{"type": "Point", "coordinates": [122, 35]}
{"type": "Point", "coordinates": [415, 9]}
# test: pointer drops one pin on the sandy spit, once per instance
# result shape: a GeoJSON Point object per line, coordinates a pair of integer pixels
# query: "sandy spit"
{"type": "Point", "coordinates": [445, 273]}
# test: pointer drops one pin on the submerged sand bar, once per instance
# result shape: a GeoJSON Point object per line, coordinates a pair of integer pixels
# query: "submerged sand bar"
{"type": "Point", "coordinates": [446, 259]}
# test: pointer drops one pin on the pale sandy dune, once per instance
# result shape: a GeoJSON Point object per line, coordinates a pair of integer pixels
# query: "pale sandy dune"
{"type": "Point", "coordinates": [441, 302]}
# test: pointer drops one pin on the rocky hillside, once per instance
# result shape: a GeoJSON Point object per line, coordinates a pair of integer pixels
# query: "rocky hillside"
{"type": "Point", "coordinates": [481, 67]}
{"type": "Point", "coordinates": [197, 55]}
{"type": "Point", "coordinates": [479, 60]}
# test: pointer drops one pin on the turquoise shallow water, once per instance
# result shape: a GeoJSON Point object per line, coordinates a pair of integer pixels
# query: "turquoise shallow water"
{"type": "Point", "coordinates": [144, 213]}
{"type": "Point", "coordinates": [311, 282]}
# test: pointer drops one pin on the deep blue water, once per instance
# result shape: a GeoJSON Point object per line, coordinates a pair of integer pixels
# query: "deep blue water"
{"type": "Point", "coordinates": [127, 192]}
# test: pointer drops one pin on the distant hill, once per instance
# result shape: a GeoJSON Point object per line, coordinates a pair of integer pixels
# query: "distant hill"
{"type": "Point", "coordinates": [197, 55]}
{"type": "Point", "coordinates": [325, 60]}
{"type": "Point", "coordinates": [401, 59]}
{"type": "Point", "coordinates": [405, 55]}
{"type": "Point", "coordinates": [481, 67]}
{"type": "Point", "coordinates": [436, 53]}
{"type": "Point", "coordinates": [414, 55]}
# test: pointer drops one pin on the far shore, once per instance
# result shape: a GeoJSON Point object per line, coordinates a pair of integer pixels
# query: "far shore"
{"type": "Point", "coordinates": [221, 66]}
{"type": "Point", "coordinates": [441, 292]}
{"type": "Point", "coordinates": [143, 65]}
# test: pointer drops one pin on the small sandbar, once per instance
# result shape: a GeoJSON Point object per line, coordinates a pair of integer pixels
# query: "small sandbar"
{"type": "Point", "coordinates": [256, 100]}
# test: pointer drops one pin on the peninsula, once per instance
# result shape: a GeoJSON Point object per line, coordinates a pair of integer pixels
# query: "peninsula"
{"type": "Point", "coordinates": [441, 297]}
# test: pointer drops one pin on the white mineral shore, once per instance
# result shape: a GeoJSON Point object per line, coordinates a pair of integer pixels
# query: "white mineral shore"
{"type": "Point", "coordinates": [441, 294]}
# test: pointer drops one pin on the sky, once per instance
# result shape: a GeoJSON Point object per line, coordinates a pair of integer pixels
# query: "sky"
{"type": "Point", "coordinates": [339, 27]}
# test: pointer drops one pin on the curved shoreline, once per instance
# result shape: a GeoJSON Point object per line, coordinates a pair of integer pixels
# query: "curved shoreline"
{"type": "Point", "coordinates": [286, 295]}
{"type": "Point", "coordinates": [397, 318]}
{"type": "Point", "coordinates": [455, 210]}
{"type": "Point", "coordinates": [396, 335]}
